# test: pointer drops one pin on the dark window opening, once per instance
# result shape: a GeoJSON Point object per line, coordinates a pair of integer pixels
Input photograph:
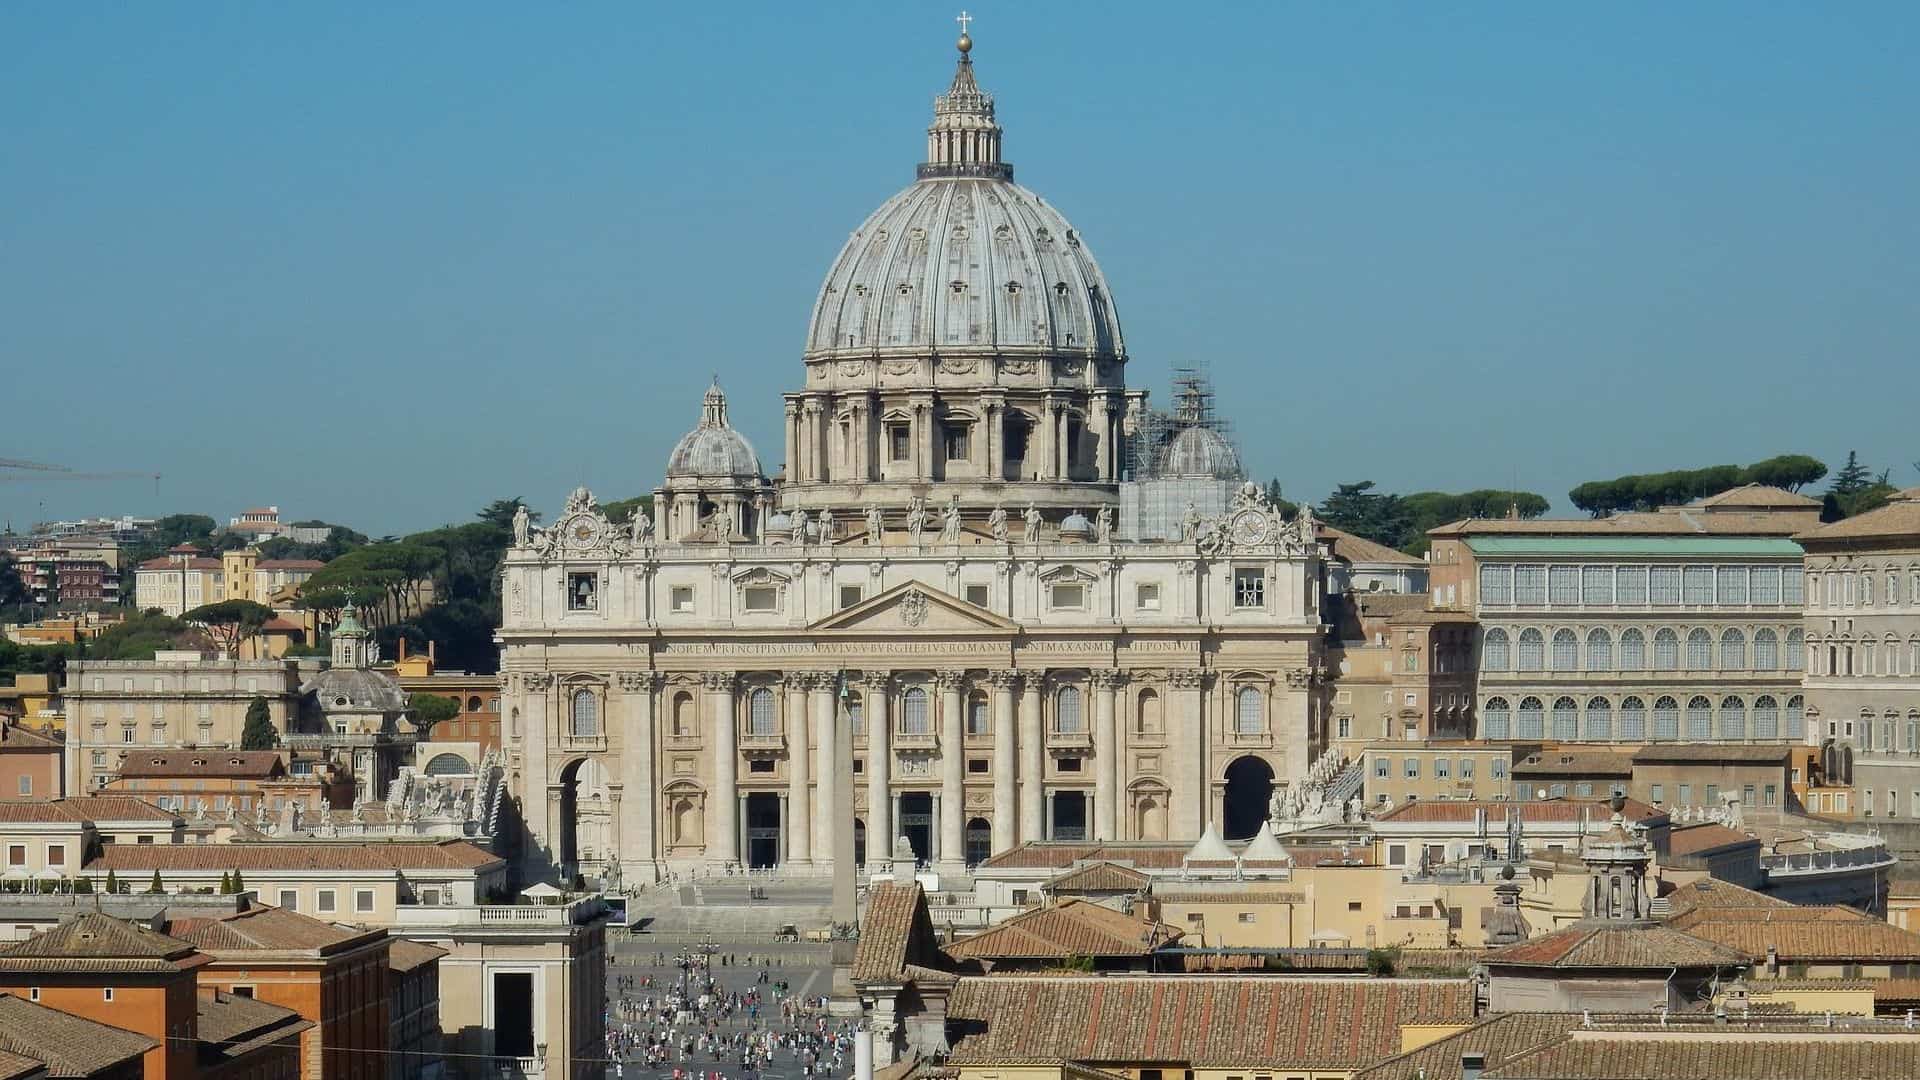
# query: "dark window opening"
{"type": "Point", "coordinates": [513, 1014]}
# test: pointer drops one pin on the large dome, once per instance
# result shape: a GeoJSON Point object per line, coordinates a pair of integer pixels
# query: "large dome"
{"type": "Point", "coordinates": [1200, 451]}
{"type": "Point", "coordinates": [713, 450]}
{"type": "Point", "coordinates": [965, 260]}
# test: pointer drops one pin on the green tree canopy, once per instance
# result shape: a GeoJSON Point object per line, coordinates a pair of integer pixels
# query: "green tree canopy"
{"type": "Point", "coordinates": [431, 709]}
{"type": "Point", "coordinates": [1378, 516]}
{"type": "Point", "coordinates": [1650, 491]}
{"type": "Point", "coordinates": [230, 622]}
{"type": "Point", "coordinates": [259, 732]}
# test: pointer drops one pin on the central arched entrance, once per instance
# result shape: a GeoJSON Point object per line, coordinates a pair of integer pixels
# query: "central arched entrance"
{"type": "Point", "coordinates": [763, 830]}
{"type": "Point", "coordinates": [1249, 787]}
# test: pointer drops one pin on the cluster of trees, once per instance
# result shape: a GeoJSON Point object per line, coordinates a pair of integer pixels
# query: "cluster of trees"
{"type": "Point", "coordinates": [339, 541]}
{"type": "Point", "coordinates": [137, 638]}
{"type": "Point", "coordinates": [1650, 491]}
{"type": "Point", "coordinates": [259, 732]}
{"type": "Point", "coordinates": [1402, 521]}
{"type": "Point", "coordinates": [1856, 489]}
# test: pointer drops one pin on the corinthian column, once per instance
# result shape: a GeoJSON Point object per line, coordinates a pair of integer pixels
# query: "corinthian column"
{"type": "Point", "coordinates": [1187, 733]}
{"type": "Point", "coordinates": [820, 688]}
{"type": "Point", "coordinates": [1106, 755]}
{"type": "Point", "coordinates": [879, 770]}
{"type": "Point", "coordinates": [1033, 753]}
{"type": "Point", "coordinates": [1006, 825]}
{"type": "Point", "coordinates": [796, 823]}
{"type": "Point", "coordinates": [953, 773]}
{"type": "Point", "coordinates": [723, 802]}
{"type": "Point", "coordinates": [639, 803]}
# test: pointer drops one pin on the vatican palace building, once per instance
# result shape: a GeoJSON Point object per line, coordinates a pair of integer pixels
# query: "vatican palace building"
{"type": "Point", "coordinates": [937, 573]}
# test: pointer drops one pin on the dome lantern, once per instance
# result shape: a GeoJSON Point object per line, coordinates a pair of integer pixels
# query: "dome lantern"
{"type": "Point", "coordinates": [964, 139]}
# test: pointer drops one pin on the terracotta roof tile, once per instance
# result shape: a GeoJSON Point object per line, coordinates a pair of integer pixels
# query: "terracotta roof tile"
{"type": "Point", "coordinates": [94, 941]}
{"type": "Point", "coordinates": [1745, 1055]}
{"type": "Point", "coordinates": [1591, 945]}
{"type": "Point", "coordinates": [1196, 1021]}
{"type": "Point", "coordinates": [1358, 549]}
{"type": "Point", "coordinates": [252, 764]}
{"type": "Point", "coordinates": [1694, 839]}
{"type": "Point", "coordinates": [895, 933]}
{"type": "Point", "coordinates": [1500, 1038]}
{"type": "Point", "coordinates": [1802, 940]}
{"type": "Point", "coordinates": [70, 1045]}
{"type": "Point", "coordinates": [231, 1027]}
{"type": "Point", "coordinates": [80, 809]}
{"type": "Point", "coordinates": [1899, 519]}
{"type": "Point", "coordinates": [1713, 753]}
{"type": "Point", "coordinates": [1042, 855]}
{"type": "Point", "coordinates": [1758, 495]}
{"type": "Point", "coordinates": [404, 955]}
{"type": "Point", "coordinates": [288, 855]}
{"type": "Point", "coordinates": [1069, 928]}
{"type": "Point", "coordinates": [1543, 810]}
{"type": "Point", "coordinates": [1712, 893]}
{"type": "Point", "coordinates": [271, 929]}
{"type": "Point", "coordinates": [15, 1067]}
{"type": "Point", "coordinates": [1099, 877]}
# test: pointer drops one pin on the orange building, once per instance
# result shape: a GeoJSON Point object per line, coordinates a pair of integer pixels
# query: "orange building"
{"type": "Point", "coordinates": [477, 722]}
{"type": "Point", "coordinates": [38, 1042]}
{"type": "Point", "coordinates": [241, 780]}
{"type": "Point", "coordinates": [29, 762]}
{"type": "Point", "coordinates": [118, 973]}
{"type": "Point", "coordinates": [335, 976]}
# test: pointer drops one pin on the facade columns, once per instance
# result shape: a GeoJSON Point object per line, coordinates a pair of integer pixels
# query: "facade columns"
{"type": "Point", "coordinates": [1006, 825]}
{"type": "Point", "coordinates": [1033, 751]}
{"type": "Point", "coordinates": [795, 819]}
{"type": "Point", "coordinates": [874, 701]}
{"type": "Point", "coordinates": [1106, 755]}
{"type": "Point", "coordinates": [793, 440]}
{"type": "Point", "coordinates": [545, 819]}
{"type": "Point", "coordinates": [953, 770]}
{"type": "Point", "coordinates": [820, 685]}
{"type": "Point", "coordinates": [723, 840]}
{"type": "Point", "coordinates": [1048, 429]}
{"type": "Point", "coordinates": [1186, 727]}
{"type": "Point", "coordinates": [1102, 417]}
{"type": "Point", "coordinates": [640, 803]}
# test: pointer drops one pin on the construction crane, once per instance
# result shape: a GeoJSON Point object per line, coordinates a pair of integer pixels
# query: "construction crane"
{"type": "Point", "coordinates": [64, 472]}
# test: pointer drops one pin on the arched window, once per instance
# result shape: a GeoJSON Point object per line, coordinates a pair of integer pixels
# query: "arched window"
{"type": "Point", "coordinates": [1148, 718]}
{"type": "Point", "coordinates": [1599, 719]}
{"type": "Point", "coordinates": [1599, 650]}
{"type": "Point", "coordinates": [1733, 718]}
{"type": "Point", "coordinates": [1766, 650]}
{"type": "Point", "coordinates": [1733, 650]}
{"type": "Point", "coordinates": [1699, 717]}
{"type": "Point", "coordinates": [586, 715]}
{"type": "Point", "coordinates": [760, 716]}
{"type": "Point", "coordinates": [1495, 651]}
{"type": "Point", "coordinates": [1766, 717]}
{"type": "Point", "coordinates": [1066, 711]}
{"type": "Point", "coordinates": [1498, 718]}
{"type": "Point", "coordinates": [448, 765]}
{"type": "Point", "coordinates": [1796, 717]}
{"type": "Point", "coordinates": [1532, 724]}
{"type": "Point", "coordinates": [1796, 650]}
{"type": "Point", "coordinates": [979, 719]}
{"type": "Point", "coordinates": [473, 703]}
{"type": "Point", "coordinates": [1666, 651]}
{"type": "Point", "coordinates": [1566, 719]}
{"type": "Point", "coordinates": [1666, 718]}
{"type": "Point", "coordinates": [1699, 650]}
{"type": "Point", "coordinates": [1246, 716]}
{"type": "Point", "coordinates": [513, 723]}
{"type": "Point", "coordinates": [683, 715]}
{"type": "Point", "coordinates": [1633, 719]}
{"type": "Point", "coordinates": [1566, 650]}
{"type": "Point", "coordinates": [913, 712]}
{"type": "Point", "coordinates": [1633, 650]}
{"type": "Point", "coordinates": [1533, 649]}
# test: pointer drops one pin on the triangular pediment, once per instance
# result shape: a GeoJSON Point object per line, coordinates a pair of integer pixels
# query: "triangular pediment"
{"type": "Point", "coordinates": [913, 607]}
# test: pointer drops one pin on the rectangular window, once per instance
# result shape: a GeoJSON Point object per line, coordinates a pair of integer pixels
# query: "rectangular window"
{"type": "Point", "coordinates": [26, 784]}
{"type": "Point", "coordinates": [1498, 770]}
{"type": "Point", "coordinates": [16, 854]}
{"type": "Point", "coordinates": [1346, 727]}
{"type": "Point", "coordinates": [1069, 597]}
{"type": "Point", "coordinates": [1396, 854]}
{"type": "Point", "coordinates": [977, 766]}
{"type": "Point", "coordinates": [899, 442]}
{"type": "Point", "coordinates": [1772, 793]}
{"type": "Point", "coordinates": [1563, 586]}
{"type": "Point", "coordinates": [1658, 792]}
{"type": "Point", "coordinates": [1686, 794]}
{"type": "Point", "coordinates": [849, 595]}
{"type": "Point", "coordinates": [681, 598]}
{"type": "Point", "coordinates": [56, 854]}
{"type": "Point", "coordinates": [324, 901]}
{"type": "Point", "coordinates": [1496, 585]}
{"type": "Point", "coordinates": [363, 900]}
{"type": "Point", "coordinates": [1411, 767]}
{"type": "Point", "coordinates": [760, 598]}
{"type": "Point", "coordinates": [1146, 597]}
{"type": "Point", "coordinates": [290, 899]}
{"type": "Point", "coordinates": [1466, 768]}
{"type": "Point", "coordinates": [1529, 585]}
{"type": "Point", "coordinates": [1699, 586]}
{"type": "Point", "coordinates": [760, 765]}
{"type": "Point", "coordinates": [1069, 764]}
{"type": "Point", "coordinates": [583, 592]}
{"type": "Point", "coordinates": [1596, 585]}
{"type": "Point", "coordinates": [1382, 768]}
{"type": "Point", "coordinates": [1441, 768]}
{"type": "Point", "coordinates": [1630, 586]}
{"type": "Point", "coordinates": [159, 710]}
{"type": "Point", "coordinates": [1793, 586]}
{"type": "Point", "coordinates": [1249, 587]}
{"type": "Point", "coordinates": [1665, 584]}
{"type": "Point", "coordinates": [1764, 585]}
{"type": "Point", "coordinates": [1732, 584]}
{"type": "Point", "coordinates": [977, 595]}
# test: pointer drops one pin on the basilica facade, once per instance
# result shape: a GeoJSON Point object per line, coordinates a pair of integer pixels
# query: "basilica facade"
{"type": "Point", "coordinates": [934, 578]}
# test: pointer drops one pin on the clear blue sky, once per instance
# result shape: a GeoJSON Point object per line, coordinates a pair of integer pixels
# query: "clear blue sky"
{"type": "Point", "coordinates": [382, 263]}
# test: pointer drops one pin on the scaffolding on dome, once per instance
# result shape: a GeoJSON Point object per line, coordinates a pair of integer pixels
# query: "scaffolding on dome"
{"type": "Point", "coordinates": [1154, 500]}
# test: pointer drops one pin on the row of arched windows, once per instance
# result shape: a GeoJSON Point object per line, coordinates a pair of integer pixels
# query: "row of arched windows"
{"type": "Point", "coordinates": [1630, 719]}
{"type": "Point", "coordinates": [1532, 650]}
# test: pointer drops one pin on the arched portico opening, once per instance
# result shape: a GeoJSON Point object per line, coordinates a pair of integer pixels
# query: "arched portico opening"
{"type": "Point", "coordinates": [1249, 787]}
{"type": "Point", "coordinates": [567, 843]}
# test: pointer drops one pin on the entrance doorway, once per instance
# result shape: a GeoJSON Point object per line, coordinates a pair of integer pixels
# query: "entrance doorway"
{"type": "Point", "coordinates": [916, 823]}
{"type": "Point", "coordinates": [1069, 815]}
{"type": "Point", "coordinates": [513, 1014]}
{"type": "Point", "coordinates": [763, 830]}
{"type": "Point", "coordinates": [1249, 787]}
{"type": "Point", "coordinates": [979, 841]}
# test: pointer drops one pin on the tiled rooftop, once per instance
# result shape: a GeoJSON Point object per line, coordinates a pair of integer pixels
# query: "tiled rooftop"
{"type": "Point", "coordinates": [1067, 929]}
{"type": "Point", "coordinates": [70, 1046]}
{"type": "Point", "coordinates": [286, 855]}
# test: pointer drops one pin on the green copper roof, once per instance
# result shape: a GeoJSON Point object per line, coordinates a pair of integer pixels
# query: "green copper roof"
{"type": "Point", "coordinates": [1677, 546]}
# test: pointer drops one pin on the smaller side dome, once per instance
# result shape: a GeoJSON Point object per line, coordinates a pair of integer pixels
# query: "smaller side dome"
{"type": "Point", "coordinates": [1200, 451]}
{"type": "Point", "coordinates": [713, 449]}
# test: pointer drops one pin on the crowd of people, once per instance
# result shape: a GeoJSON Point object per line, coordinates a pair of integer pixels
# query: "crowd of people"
{"type": "Point", "coordinates": [691, 1026]}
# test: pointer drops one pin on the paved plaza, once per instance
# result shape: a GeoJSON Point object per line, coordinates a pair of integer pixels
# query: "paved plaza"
{"type": "Point", "coordinates": [736, 1006]}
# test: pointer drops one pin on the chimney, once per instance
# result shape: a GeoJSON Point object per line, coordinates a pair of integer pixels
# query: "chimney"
{"type": "Point", "coordinates": [1472, 1064]}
